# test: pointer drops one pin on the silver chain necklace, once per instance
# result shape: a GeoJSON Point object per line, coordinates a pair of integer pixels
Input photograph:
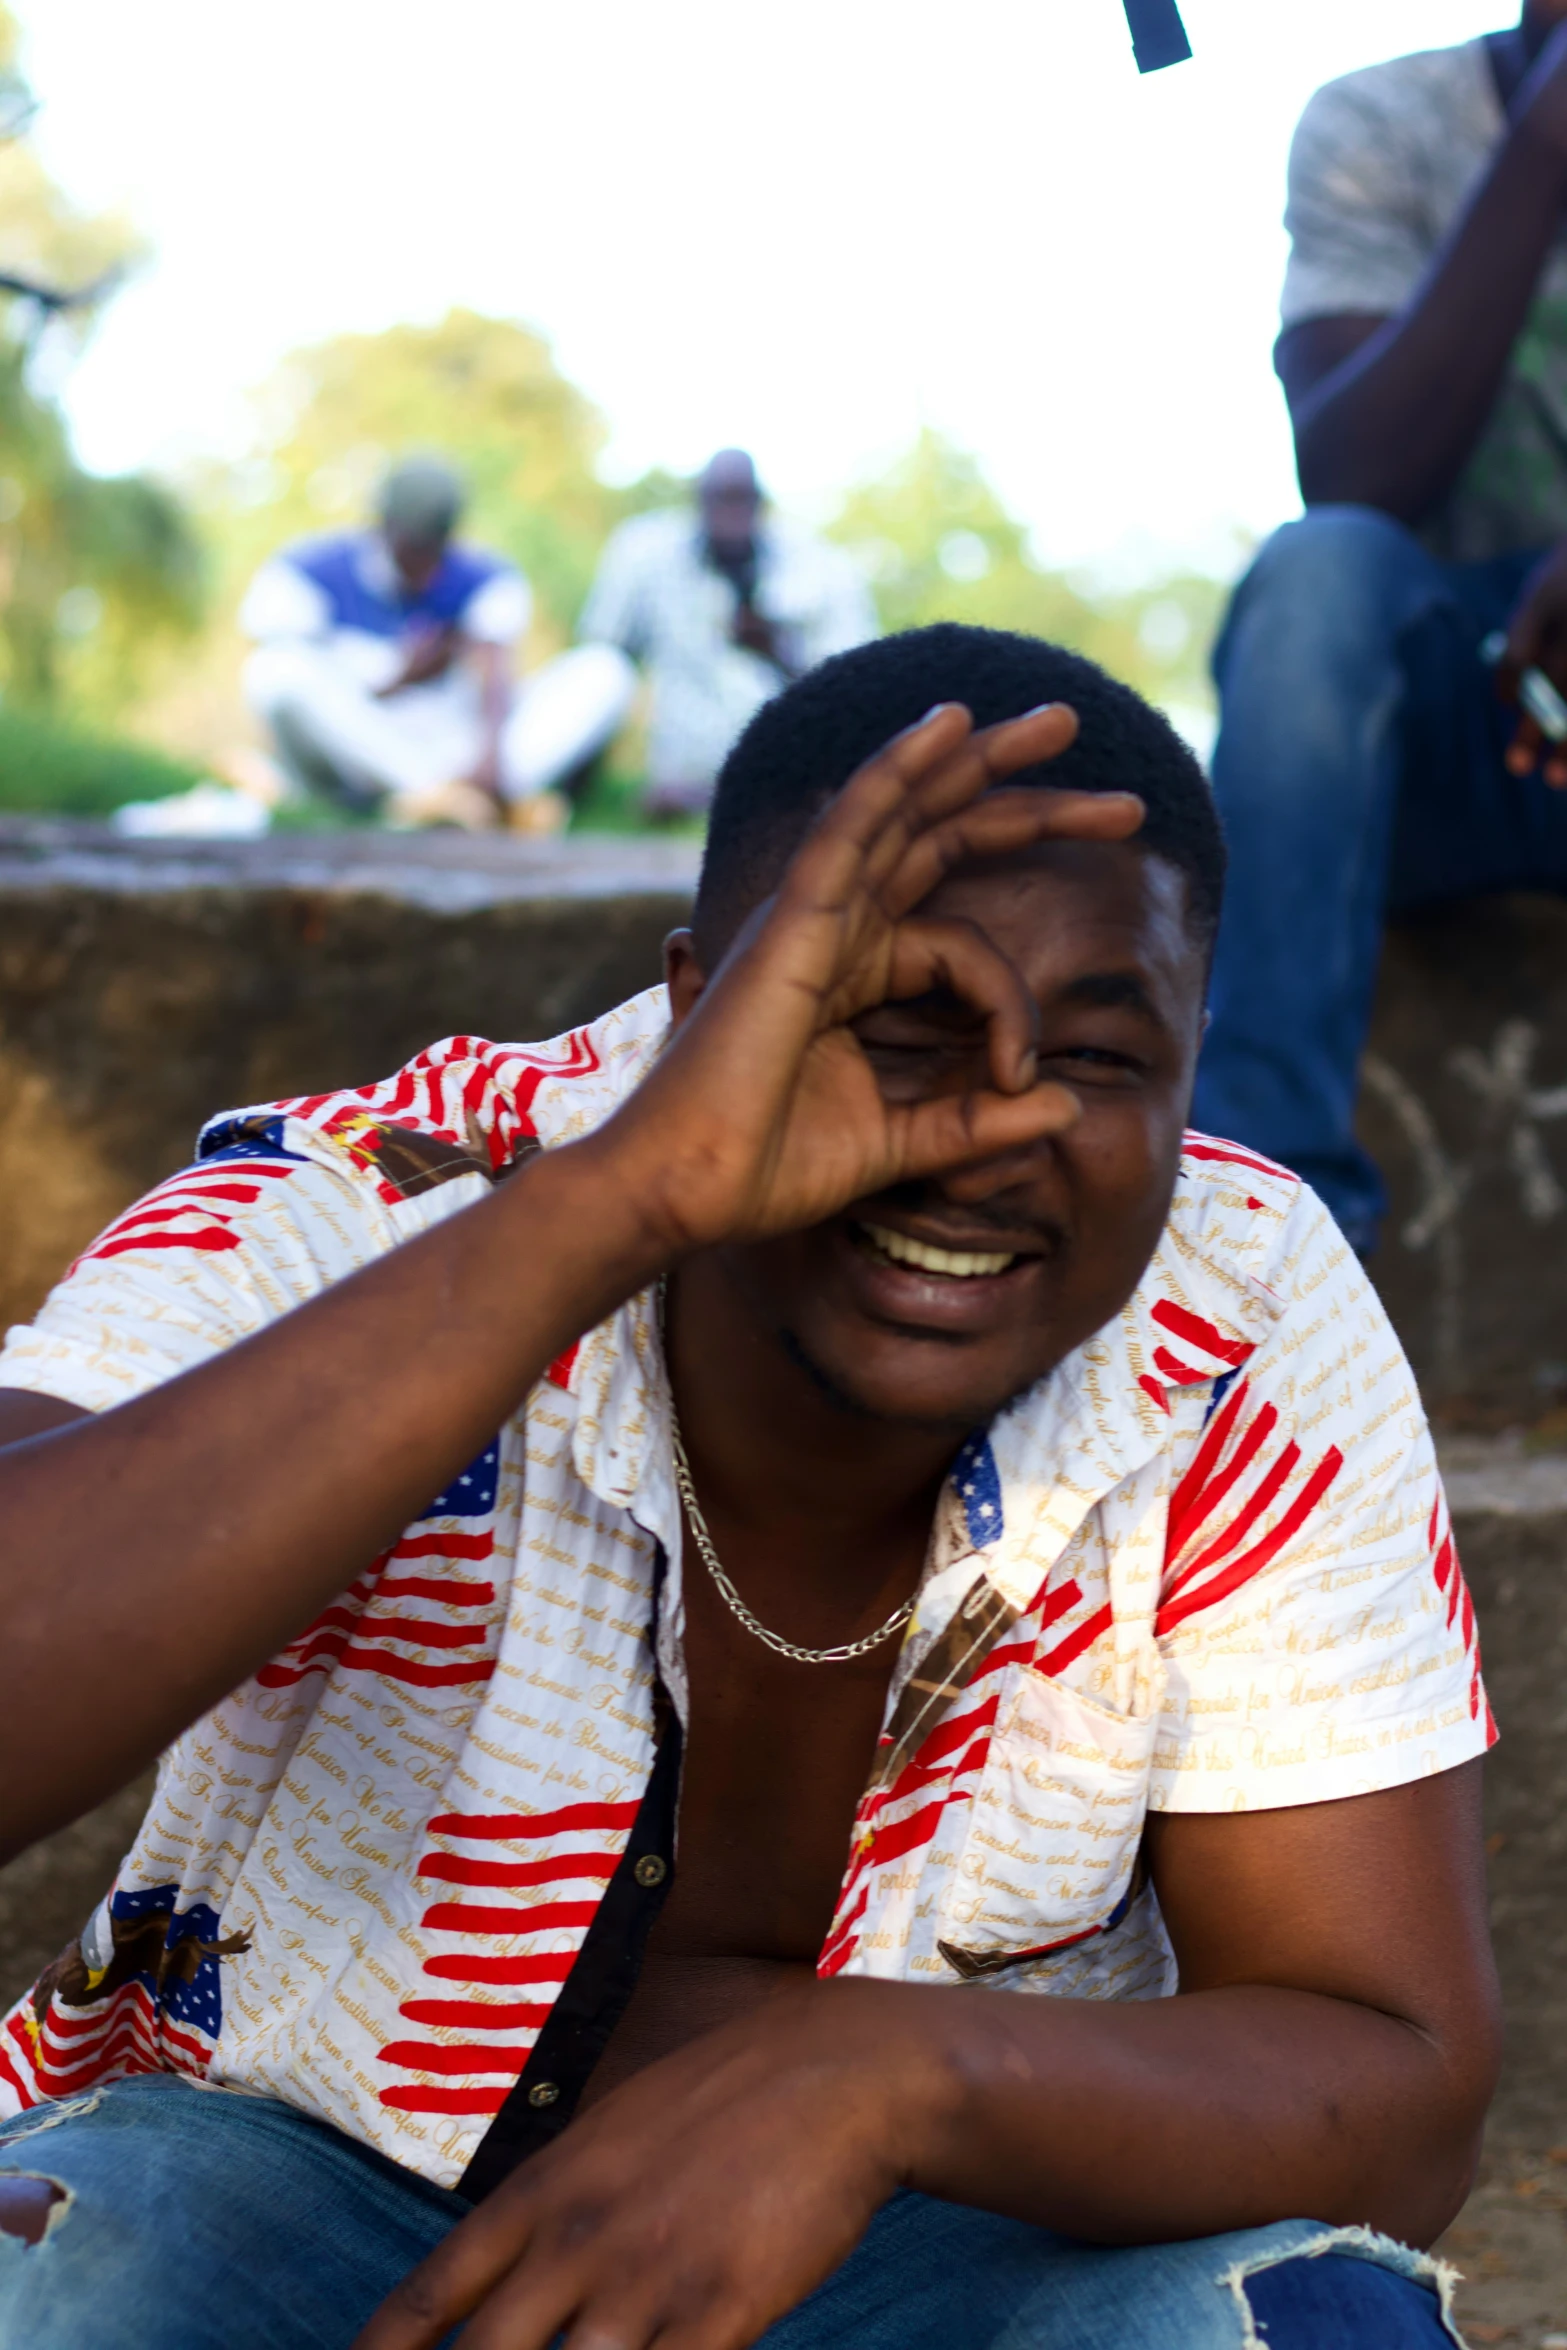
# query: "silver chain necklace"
{"type": "Point", "coordinates": [841, 1655]}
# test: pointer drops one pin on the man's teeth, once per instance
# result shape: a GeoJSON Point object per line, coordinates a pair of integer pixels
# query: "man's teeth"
{"type": "Point", "coordinates": [958, 1264]}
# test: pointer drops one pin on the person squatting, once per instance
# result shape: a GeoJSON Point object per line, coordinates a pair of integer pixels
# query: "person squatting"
{"type": "Point", "coordinates": [815, 1682]}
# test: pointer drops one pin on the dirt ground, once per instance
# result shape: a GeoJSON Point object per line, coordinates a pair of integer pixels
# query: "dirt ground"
{"type": "Point", "coordinates": [1510, 2241]}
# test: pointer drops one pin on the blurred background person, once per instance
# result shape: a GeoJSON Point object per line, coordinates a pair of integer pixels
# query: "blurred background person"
{"type": "Point", "coordinates": [721, 606]}
{"type": "Point", "coordinates": [1368, 760]}
{"type": "Point", "coordinates": [385, 670]}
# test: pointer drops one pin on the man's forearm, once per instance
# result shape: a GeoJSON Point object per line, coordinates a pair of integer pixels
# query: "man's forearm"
{"type": "Point", "coordinates": [153, 1557]}
{"type": "Point", "coordinates": [1393, 425]}
{"type": "Point", "coordinates": [1135, 2121]}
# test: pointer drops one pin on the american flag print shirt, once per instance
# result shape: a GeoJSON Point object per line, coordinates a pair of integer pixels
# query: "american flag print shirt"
{"type": "Point", "coordinates": [1205, 1565]}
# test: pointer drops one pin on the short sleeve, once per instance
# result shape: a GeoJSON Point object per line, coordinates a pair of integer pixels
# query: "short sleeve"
{"type": "Point", "coordinates": [498, 612]}
{"type": "Point", "coordinates": [209, 1257]}
{"type": "Point", "coordinates": [1359, 241]}
{"type": "Point", "coordinates": [1316, 1633]}
{"type": "Point", "coordinates": [281, 603]}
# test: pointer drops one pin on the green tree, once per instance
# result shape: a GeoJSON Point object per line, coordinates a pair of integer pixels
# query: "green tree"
{"type": "Point", "coordinates": [939, 545]}
{"type": "Point", "coordinates": [485, 392]}
{"type": "Point", "coordinates": [93, 571]}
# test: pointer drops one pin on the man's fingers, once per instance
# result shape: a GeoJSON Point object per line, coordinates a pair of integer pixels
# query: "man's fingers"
{"type": "Point", "coordinates": [421, 2311]}
{"type": "Point", "coordinates": [961, 1130]}
{"type": "Point", "coordinates": [1000, 823]}
{"type": "Point", "coordinates": [959, 957]}
{"type": "Point", "coordinates": [979, 761]}
{"type": "Point", "coordinates": [1524, 750]}
{"type": "Point", "coordinates": [925, 773]}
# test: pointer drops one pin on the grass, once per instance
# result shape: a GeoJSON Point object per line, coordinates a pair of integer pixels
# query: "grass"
{"type": "Point", "coordinates": [611, 801]}
{"type": "Point", "coordinates": [51, 770]}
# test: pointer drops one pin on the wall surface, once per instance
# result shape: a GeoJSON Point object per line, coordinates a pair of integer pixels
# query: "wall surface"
{"type": "Point", "coordinates": [144, 986]}
{"type": "Point", "coordinates": [1463, 1104]}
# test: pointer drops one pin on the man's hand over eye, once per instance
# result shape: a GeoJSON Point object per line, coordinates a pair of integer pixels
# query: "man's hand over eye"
{"type": "Point", "coordinates": [764, 1113]}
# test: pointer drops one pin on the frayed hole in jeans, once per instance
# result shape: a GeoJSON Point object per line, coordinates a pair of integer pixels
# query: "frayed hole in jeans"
{"type": "Point", "coordinates": [30, 2205]}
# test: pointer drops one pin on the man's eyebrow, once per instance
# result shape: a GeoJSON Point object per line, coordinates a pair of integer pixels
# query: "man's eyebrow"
{"type": "Point", "coordinates": [1112, 991]}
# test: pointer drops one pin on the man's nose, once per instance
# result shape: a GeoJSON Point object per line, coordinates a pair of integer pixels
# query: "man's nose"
{"type": "Point", "coordinates": [1016, 1170]}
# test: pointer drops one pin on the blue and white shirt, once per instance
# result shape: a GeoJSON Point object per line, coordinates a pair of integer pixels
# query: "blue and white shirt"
{"type": "Point", "coordinates": [346, 595]}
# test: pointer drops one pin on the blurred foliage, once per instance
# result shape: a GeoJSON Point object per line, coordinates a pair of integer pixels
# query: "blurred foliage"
{"type": "Point", "coordinates": [938, 544]}
{"type": "Point", "coordinates": [93, 571]}
{"type": "Point", "coordinates": [63, 771]}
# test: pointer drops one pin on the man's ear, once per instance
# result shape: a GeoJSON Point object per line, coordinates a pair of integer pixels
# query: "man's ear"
{"type": "Point", "coordinates": [683, 975]}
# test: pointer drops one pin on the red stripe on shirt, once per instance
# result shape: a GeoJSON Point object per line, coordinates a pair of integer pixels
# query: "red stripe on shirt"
{"type": "Point", "coordinates": [1236, 1158]}
{"type": "Point", "coordinates": [1240, 1525]}
{"type": "Point", "coordinates": [477, 2015]}
{"type": "Point", "coordinates": [455, 1868]}
{"type": "Point", "coordinates": [444, 2100]}
{"type": "Point", "coordinates": [420, 1631]}
{"type": "Point", "coordinates": [433, 1587]}
{"type": "Point", "coordinates": [453, 1546]}
{"type": "Point", "coordinates": [213, 1238]}
{"type": "Point", "coordinates": [462, 1917]}
{"type": "Point", "coordinates": [413, 1674]}
{"type": "Point", "coordinates": [1192, 1506]}
{"type": "Point", "coordinates": [1251, 1562]}
{"type": "Point", "coordinates": [508, 1824]}
{"type": "Point", "coordinates": [440, 2056]}
{"type": "Point", "coordinates": [470, 1967]}
{"type": "Point", "coordinates": [1072, 1647]}
{"type": "Point", "coordinates": [1183, 1324]}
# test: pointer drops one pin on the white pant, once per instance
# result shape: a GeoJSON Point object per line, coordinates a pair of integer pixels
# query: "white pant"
{"type": "Point", "coordinates": [323, 719]}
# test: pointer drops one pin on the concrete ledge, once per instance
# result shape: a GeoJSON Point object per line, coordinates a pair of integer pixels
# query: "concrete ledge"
{"type": "Point", "coordinates": [144, 985]}
{"type": "Point", "coordinates": [448, 872]}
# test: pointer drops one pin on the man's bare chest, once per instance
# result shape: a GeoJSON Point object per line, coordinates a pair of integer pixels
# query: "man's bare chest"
{"type": "Point", "coordinates": [776, 1758]}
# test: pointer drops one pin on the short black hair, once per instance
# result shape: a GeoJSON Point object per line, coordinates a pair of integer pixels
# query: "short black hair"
{"type": "Point", "coordinates": [804, 745]}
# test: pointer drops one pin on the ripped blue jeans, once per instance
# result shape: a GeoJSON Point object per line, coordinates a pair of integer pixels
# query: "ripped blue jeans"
{"type": "Point", "coordinates": [201, 2219]}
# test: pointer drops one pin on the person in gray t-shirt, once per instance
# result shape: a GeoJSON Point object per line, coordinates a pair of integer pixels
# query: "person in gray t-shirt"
{"type": "Point", "coordinates": [1370, 756]}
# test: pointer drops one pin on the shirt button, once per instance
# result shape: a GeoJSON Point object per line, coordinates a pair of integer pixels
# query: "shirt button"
{"type": "Point", "coordinates": [651, 1869]}
{"type": "Point", "coordinates": [543, 2093]}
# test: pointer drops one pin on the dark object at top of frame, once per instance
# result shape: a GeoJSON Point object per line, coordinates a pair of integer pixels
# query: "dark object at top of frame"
{"type": "Point", "coordinates": [1158, 35]}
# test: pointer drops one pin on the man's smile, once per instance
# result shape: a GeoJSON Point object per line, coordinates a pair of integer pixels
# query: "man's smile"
{"type": "Point", "coordinates": [945, 1280]}
{"type": "Point", "coordinates": [953, 1264]}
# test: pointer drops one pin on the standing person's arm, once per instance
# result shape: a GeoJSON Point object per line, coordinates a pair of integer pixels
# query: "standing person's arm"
{"type": "Point", "coordinates": [1386, 410]}
{"type": "Point", "coordinates": [154, 1556]}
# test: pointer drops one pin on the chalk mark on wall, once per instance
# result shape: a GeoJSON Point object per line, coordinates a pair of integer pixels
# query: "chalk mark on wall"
{"type": "Point", "coordinates": [1512, 1109]}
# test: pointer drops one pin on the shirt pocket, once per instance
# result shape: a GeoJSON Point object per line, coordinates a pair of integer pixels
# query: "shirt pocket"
{"type": "Point", "coordinates": [1051, 1853]}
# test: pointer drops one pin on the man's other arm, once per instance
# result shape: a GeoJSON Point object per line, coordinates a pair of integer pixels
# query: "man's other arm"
{"type": "Point", "coordinates": [1386, 410]}
{"type": "Point", "coordinates": [1330, 2056]}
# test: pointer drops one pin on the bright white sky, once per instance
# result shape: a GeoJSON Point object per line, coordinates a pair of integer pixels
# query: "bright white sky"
{"type": "Point", "coordinates": [805, 227]}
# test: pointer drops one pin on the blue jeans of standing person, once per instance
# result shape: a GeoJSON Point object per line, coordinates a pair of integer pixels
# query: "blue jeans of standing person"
{"type": "Point", "coordinates": [201, 2219]}
{"type": "Point", "coordinates": [1359, 773]}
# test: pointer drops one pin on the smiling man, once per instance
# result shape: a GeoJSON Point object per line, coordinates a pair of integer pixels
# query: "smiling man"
{"type": "Point", "coordinates": [915, 1785]}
